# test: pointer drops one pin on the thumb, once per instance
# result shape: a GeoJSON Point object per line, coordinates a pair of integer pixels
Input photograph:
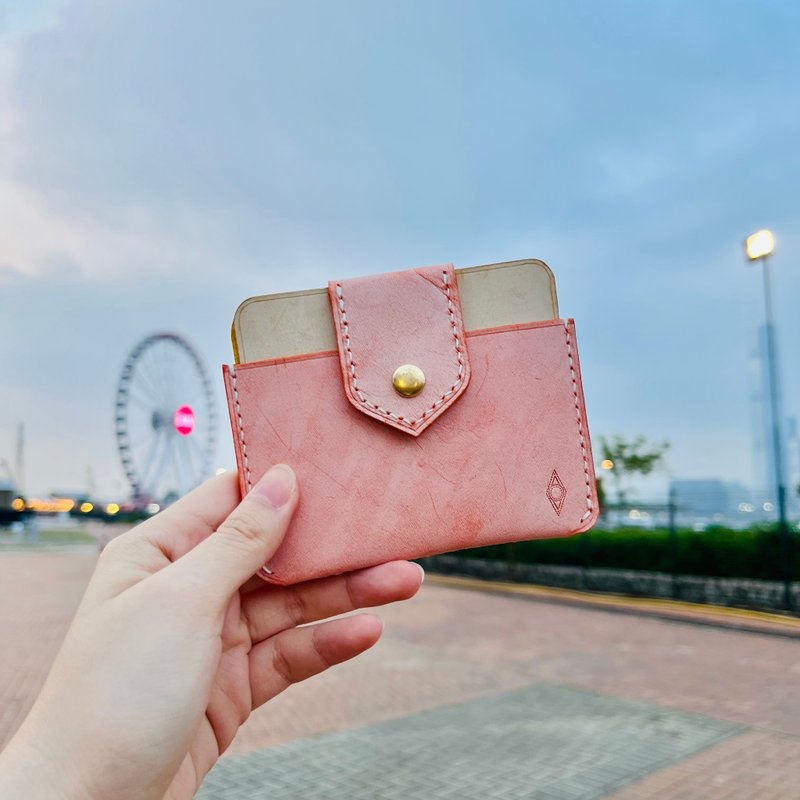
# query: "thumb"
{"type": "Point", "coordinates": [246, 539]}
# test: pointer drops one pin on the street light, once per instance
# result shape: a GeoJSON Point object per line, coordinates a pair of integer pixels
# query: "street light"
{"type": "Point", "coordinates": [758, 247]}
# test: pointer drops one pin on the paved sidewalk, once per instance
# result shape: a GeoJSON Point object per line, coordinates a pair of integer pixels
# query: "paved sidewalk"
{"type": "Point", "coordinates": [543, 741]}
{"type": "Point", "coordinates": [472, 694]}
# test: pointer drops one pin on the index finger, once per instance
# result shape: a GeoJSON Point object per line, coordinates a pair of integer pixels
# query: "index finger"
{"type": "Point", "coordinates": [180, 527]}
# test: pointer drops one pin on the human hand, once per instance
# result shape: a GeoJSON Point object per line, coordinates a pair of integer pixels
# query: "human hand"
{"type": "Point", "coordinates": [175, 643]}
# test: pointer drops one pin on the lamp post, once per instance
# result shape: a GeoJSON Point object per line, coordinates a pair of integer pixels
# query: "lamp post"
{"type": "Point", "coordinates": [758, 247]}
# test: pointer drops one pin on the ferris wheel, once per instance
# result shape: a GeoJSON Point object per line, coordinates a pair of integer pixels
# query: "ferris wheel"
{"type": "Point", "coordinates": [165, 418]}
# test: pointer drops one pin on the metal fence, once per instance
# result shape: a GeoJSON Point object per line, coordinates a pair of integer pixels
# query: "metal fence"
{"type": "Point", "coordinates": [737, 592]}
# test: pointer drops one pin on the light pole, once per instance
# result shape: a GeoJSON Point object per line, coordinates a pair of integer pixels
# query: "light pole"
{"type": "Point", "coordinates": [758, 247]}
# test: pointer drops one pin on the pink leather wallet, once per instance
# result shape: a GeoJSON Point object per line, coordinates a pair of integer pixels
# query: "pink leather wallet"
{"type": "Point", "coordinates": [479, 437]}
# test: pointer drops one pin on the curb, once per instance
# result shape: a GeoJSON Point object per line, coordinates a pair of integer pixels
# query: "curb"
{"type": "Point", "coordinates": [674, 610]}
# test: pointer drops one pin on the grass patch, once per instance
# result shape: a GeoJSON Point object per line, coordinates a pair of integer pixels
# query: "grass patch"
{"type": "Point", "coordinates": [48, 537]}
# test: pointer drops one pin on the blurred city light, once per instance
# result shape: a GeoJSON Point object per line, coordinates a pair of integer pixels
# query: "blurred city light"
{"type": "Point", "coordinates": [112, 508]}
{"type": "Point", "coordinates": [18, 504]}
{"type": "Point", "coordinates": [607, 463]}
{"type": "Point", "coordinates": [759, 244]}
{"type": "Point", "coordinates": [86, 508]}
{"type": "Point", "coordinates": [52, 505]}
{"type": "Point", "coordinates": [153, 508]}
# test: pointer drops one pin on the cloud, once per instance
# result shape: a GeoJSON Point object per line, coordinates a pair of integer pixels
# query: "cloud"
{"type": "Point", "coordinates": [159, 163]}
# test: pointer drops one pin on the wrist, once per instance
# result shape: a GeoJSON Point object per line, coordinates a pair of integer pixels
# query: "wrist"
{"type": "Point", "coordinates": [28, 770]}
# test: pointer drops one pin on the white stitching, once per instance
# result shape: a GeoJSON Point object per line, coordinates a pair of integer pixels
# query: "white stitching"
{"type": "Point", "coordinates": [352, 366]}
{"type": "Point", "coordinates": [247, 476]}
{"type": "Point", "coordinates": [580, 425]}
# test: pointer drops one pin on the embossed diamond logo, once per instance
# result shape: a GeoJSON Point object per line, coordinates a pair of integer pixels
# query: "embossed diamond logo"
{"type": "Point", "coordinates": [556, 492]}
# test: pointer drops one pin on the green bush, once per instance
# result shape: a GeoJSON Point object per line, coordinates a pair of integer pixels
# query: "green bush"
{"type": "Point", "coordinates": [720, 552]}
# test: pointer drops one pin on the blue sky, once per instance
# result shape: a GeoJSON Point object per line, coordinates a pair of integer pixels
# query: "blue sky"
{"type": "Point", "coordinates": [161, 161]}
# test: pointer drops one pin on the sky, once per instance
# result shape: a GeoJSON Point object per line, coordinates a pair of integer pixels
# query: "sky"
{"type": "Point", "coordinates": [162, 161]}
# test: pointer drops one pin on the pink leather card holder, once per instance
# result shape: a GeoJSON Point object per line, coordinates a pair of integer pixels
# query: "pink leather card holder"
{"type": "Point", "coordinates": [494, 448]}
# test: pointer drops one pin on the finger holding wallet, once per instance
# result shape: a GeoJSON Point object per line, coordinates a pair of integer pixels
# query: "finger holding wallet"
{"type": "Point", "coordinates": [173, 646]}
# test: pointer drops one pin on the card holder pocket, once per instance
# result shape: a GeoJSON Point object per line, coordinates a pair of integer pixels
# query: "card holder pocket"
{"type": "Point", "coordinates": [510, 459]}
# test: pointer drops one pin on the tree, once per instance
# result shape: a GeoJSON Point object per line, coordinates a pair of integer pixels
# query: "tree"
{"type": "Point", "coordinates": [625, 458]}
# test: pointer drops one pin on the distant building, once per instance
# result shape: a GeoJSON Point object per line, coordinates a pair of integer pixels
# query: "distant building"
{"type": "Point", "coordinates": [713, 501]}
{"type": "Point", "coordinates": [8, 491]}
{"type": "Point", "coordinates": [708, 496]}
{"type": "Point", "coordinates": [9, 512]}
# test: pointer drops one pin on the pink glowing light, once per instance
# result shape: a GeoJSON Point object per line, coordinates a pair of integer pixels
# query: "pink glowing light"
{"type": "Point", "coordinates": [184, 420]}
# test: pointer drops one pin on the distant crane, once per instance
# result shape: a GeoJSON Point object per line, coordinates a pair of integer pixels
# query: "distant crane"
{"type": "Point", "coordinates": [20, 476]}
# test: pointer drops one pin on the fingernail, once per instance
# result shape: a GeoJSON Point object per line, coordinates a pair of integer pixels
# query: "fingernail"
{"type": "Point", "coordinates": [422, 573]}
{"type": "Point", "coordinates": [276, 485]}
{"type": "Point", "coordinates": [378, 619]}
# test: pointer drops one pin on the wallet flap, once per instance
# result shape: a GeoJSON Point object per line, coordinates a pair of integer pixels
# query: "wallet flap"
{"type": "Point", "coordinates": [401, 344]}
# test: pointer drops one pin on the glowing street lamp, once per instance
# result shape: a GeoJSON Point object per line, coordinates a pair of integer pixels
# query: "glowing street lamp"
{"type": "Point", "coordinates": [759, 247]}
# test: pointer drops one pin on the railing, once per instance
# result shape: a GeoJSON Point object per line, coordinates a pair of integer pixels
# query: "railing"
{"type": "Point", "coordinates": [737, 592]}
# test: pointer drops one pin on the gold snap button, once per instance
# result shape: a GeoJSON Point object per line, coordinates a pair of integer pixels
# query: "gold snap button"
{"type": "Point", "coordinates": [408, 380]}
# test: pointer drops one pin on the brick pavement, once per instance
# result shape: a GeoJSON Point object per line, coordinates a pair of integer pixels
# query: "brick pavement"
{"type": "Point", "coordinates": [539, 742]}
{"type": "Point", "coordinates": [756, 765]}
{"type": "Point", "coordinates": [461, 650]}
{"type": "Point", "coordinates": [39, 592]}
